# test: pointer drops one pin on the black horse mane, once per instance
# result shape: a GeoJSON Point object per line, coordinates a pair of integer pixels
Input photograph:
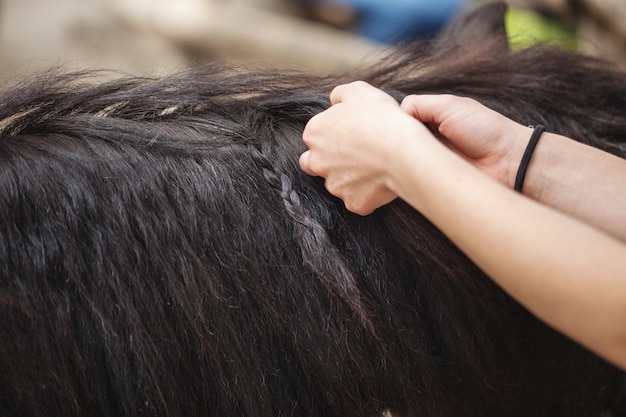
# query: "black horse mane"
{"type": "Point", "coordinates": [161, 253]}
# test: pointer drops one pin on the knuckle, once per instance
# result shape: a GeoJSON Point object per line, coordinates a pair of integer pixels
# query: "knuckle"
{"type": "Point", "coordinates": [351, 206]}
{"type": "Point", "coordinates": [356, 208]}
{"type": "Point", "coordinates": [450, 98]}
{"type": "Point", "coordinates": [358, 87]}
{"type": "Point", "coordinates": [316, 164]}
{"type": "Point", "coordinates": [359, 84]}
{"type": "Point", "coordinates": [410, 98]}
{"type": "Point", "coordinates": [312, 129]}
{"type": "Point", "coordinates": [333, 187]}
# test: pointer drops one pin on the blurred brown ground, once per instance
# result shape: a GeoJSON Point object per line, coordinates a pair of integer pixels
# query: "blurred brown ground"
{"type": "Point", "coordinates": [154, 37]}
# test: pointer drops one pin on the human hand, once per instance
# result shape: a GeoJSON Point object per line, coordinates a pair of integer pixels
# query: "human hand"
{"type": "Point", "coordinates": [354, 143]}
{"type": "Point", "coordinates": [490, 141]}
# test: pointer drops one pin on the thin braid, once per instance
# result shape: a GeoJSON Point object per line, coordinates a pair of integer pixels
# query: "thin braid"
{"type": "Point", "coordinates": [317, 249]}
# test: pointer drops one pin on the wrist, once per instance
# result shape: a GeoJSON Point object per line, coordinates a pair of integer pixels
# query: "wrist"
{"type": "Point", "coordinates": [517, 146]}
{"type": "Point", "coordinates": [419, 170]}
{"type": "Point", "coordinates": [555, 164]}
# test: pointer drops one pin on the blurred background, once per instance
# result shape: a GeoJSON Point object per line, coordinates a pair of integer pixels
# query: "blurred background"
{"type": "Point", "coordinates": [155, 37]}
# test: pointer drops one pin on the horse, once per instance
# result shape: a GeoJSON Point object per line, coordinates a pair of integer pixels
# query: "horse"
{"type": "Point", "coordinates": [162, 254]}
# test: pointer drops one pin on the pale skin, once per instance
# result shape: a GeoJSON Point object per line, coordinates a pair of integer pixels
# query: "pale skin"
{"type": "Point", "coordinates": [561, 252]}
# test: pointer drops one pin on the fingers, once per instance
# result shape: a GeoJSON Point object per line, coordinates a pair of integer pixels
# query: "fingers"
{"type": "Point", "coordinates": [357, 209]}
{"type": "Point", "coordinates": [313, 136]}
{"type": "Point", "coordinates": [354, 201]}
{"type": "Point", "coordinates": [355, 89]}
{"type": "Point", "coordinates": [436, 109]}
{"type": "Point", "coordinates": [305, 164]}
{"type": "Point", "coordinates": [336, 96]}
{"type": "Point", "coordinates": [427, 108]}
{"type": "Point", "coordinates": [323, 129]}
{"type": "Point", "coordinates": [337, 135]}
{"type": "Point", "coordinates": [344, 91]}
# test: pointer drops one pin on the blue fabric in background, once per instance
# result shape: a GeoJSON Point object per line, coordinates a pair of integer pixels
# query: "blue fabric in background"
{"type": "Point", "coordinates": [393, 21]}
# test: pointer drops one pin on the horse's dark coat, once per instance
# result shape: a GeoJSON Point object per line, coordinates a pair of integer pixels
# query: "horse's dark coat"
{"type": "Point", "coordinates": [162, 254]}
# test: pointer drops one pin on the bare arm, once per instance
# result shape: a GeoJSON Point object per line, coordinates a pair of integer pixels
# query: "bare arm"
{"type": "Point", "coordinates": [571, 275]}
{"type": "Point", "coordinates": [568, 274]}
{"type": "Point", "coordinates": [571, 177]}
{"type": "Point", "coordinates": [581, 181]}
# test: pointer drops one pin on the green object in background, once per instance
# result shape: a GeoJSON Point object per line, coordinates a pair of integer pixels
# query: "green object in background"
{"type": "Point", "coordinates": [526, 28]}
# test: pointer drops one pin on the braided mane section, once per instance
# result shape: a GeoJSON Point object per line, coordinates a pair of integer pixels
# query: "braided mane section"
{"type": "Point", "coordinates": [316, 247]}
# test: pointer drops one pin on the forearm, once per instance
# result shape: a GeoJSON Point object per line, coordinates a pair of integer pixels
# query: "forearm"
{"type": "Point", "coordinates": [581, 181]}
{"type": "Point", "coordinates": [568, 273]}
{"type": "Point", "coordinates": [562, 270]}
{"type": "Point", "coordinates": [576, 179]}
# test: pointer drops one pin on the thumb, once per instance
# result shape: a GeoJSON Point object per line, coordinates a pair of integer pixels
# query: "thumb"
{"type": "Point", "coordinates": [349, 91]}
{"type": "Point", "coordinates": [338, 93]}
{"type": "Point", "coordinates": [425, 108]}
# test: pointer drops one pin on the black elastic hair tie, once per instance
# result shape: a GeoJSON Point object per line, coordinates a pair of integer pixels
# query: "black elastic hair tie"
{"type": "Point", "coordinates": [528, 153]}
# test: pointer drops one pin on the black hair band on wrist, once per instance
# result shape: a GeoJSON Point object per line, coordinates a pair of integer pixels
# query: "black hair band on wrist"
{"type": "Point", "coordinates": [528, 153]}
